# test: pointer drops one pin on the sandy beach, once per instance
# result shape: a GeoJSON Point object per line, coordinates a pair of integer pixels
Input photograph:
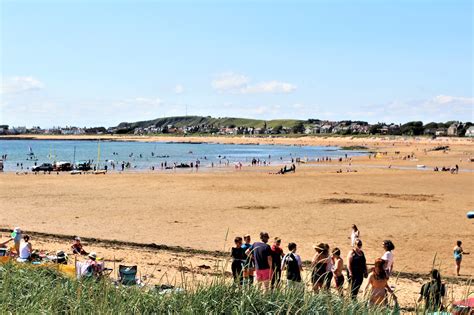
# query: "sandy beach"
{"type": "Point", "coordinates": [421, 211]}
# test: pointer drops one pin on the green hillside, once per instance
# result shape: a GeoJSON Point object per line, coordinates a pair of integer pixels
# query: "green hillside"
{"type": "Point", "coordinates": [183, 121]}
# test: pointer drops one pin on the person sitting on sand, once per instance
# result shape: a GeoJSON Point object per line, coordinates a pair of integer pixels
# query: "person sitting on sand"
{"type": "Point", "coordinates": [293, 265]}
{"type": "Point", "coordinates": [378, 282]}
{"type": "Point", "coordinates": [433, 292]}
{"type": "Point", "coordinates": [458, 253]}
{"type": "Point", "coordinates": [238, 261]}
{"type": "Point", "coordinates": [25, 249]}
{"type": "Point", "coordinates": [77, 248]}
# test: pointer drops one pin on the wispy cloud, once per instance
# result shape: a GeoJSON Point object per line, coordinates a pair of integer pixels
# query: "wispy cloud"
{"type": "Point", "coordinates": [179, 89]}
{"type": "Point", "coordinates": [238, 83]}
{"type": "Point", "coordinates": [19, 84]}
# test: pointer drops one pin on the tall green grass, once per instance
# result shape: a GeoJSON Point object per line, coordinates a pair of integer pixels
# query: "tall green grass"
{"type": "Point", "coordinates": [27, 289]}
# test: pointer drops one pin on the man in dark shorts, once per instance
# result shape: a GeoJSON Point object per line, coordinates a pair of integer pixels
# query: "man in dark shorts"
{"type": "Point", "coordinates": [277, 254]}
{"type": "Point", "coordinates": [262, 256]}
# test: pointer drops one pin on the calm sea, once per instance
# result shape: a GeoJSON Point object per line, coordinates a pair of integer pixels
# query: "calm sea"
{"type": "Point", "coordinates": [144, 155]}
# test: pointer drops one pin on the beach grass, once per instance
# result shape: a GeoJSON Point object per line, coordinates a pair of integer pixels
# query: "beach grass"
{"type": "Point", "coordinates": [27, 289]}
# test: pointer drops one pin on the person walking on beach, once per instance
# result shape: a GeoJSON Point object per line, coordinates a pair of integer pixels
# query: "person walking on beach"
{"type": "Point", "coordinates": [238, 261]}
{"type": "Point", "coordinates": [355, 234]}
{"type": "Point", "coordinates": [291, 262]}
{"type": "Point", "coordinates": [458, 253]}
{"type": "Point", "coordinates": [277, 254]}
{"type": "Point", "coordinates": [337, 266]}
{"type": "Point", "coordinates": [378, 283]}
{"type": "Point", "coordinates": [262, 256]}
{"type": "Point", "coordinates": [356, 268]}
{"type": "Point", "coordinates": [319, 267]}
{"type": "Point", "coordinates": [433, 292]}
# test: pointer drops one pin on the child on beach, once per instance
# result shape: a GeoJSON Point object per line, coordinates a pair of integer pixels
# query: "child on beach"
{"type": "Point", "coordinates": [238, 261]}
{"type": "Point", "coordinates": [338, 265]}
{"type": "Point", "coordinates": [291, 262]}
{"type": "Point", "coordinates": [458, 253]}
{"type": "Point", "coordinates": [378, 283]}
{"type": "Point", "coordinates": [77, 248]}
{"type": "Point", "coordinates": [249, 266]}
{"type": "Point", "coordinates": [355, 234]}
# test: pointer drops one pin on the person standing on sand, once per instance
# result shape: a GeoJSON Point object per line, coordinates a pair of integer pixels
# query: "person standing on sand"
{"type": "Point", "coordinates": [356, 268]}
{"type": "Point", "coordinates": [277, 254]}
{"type": "Point", "coordinates": [337, 266]}
{"type": "Point", "coordinates": [329, 267]}
{"type": "Point", "coordinates": [262, 256]}
{"type": "Point", "coordinates": [458, 253]}
{"type": "Point", "coordinates": [433, 292]}
{"type": "Point", "coordinates": [355, 234]}
{"type": "Point", "coordinates": [249, 266]}
{"type": "Point", "coordinates": [319, 267]}
{"type": "Point", "coordinates": [238, 261]}
{"type": "Point", "coordinates": [388, 256]}
{"type": "Point", "coordinates": [378, 282]}
{"type": "Point", "coordinates": [293, 265]}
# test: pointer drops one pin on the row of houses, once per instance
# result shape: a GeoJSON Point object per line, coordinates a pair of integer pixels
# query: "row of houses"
{"type": "Point", "coordinates": [5, 130]}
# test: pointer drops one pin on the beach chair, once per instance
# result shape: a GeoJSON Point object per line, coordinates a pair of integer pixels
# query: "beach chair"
{"type": "Point", "coordinates": [127, 275]}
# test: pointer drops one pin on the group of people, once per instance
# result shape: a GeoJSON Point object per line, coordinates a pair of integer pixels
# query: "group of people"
{"type": "Point", "coordinates": [22, 250]}
{"type": "Point", "coordinates": [265, 264]}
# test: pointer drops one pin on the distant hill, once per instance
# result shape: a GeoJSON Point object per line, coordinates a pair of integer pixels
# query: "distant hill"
{"type": "Point", "coordinates": [186, 121]}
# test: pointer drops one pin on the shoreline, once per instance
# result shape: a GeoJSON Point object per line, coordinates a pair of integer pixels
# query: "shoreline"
{"type": "Point", "coordinates": [372, 142]}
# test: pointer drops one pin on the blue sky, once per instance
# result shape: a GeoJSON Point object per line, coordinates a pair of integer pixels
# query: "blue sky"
{"type": "Point", "coordinates": [104, 62]}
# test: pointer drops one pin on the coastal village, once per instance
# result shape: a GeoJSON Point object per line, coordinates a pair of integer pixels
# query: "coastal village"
{"type": "Point", "coordinates": [309, 127]}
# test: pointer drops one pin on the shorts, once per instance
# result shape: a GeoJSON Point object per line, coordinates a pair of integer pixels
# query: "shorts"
{"type": "Point", "coordinates": [263, 274]}
{"type": "Point", "coordinates": [339, 281]}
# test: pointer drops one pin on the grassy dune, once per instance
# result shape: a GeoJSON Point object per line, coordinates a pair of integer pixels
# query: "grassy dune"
{"type": "Point", "coordinates": [29, 290]}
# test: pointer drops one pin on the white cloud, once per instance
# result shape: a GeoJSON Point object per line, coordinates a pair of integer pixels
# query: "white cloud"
{"type": "Point", "coordinates": [13, 85]}
{"type": "Point", "coordinates": [229, 81]}
{"type": "Point", "coordinates": [239, 83]}
{"type": "Point", "coordinates": [447, 99]}
{"type": "Point", "coordinates": [179, 89]}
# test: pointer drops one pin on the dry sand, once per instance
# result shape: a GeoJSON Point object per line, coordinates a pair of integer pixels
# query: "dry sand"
{"type": "Point", "coordinates": [422, 212]}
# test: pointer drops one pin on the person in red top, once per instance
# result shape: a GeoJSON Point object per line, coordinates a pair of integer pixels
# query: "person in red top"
{"type": "Point", "coordinates": [77, 247]}
{"type": "Point", "coordinates": [277, 254]}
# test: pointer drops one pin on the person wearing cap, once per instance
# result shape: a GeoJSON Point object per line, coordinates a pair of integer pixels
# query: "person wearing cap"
{"type": "Point", "coordinates": [90, 267]}
{"type": "Point", "coordinates": [319, 266]}
{"type": "Point", "coordinates": [262, 256]}
{"type": "Point", "coordinates": [17, 236]}
{"type": "Point", "coordinates": [356, 268]}
{"type": "Point", "coordinates": [77, 248]}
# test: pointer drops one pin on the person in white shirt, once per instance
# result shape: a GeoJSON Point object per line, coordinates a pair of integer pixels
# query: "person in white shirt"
{"type": "Point", "coordinates": [387, 257]}
{"type": "Point", "coordinates": [25, 249]}
{"type": "Point", "coordinates": [355, 234]}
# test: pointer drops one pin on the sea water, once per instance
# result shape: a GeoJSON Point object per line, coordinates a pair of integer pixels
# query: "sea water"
{"type": "Point", "coordinates": [144, 155]}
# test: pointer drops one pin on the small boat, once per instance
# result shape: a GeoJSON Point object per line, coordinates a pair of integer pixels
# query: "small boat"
{"type": "Point", "coordinates": [421, 166]}
{"type": "Point", "coordinates": [470, 215]}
